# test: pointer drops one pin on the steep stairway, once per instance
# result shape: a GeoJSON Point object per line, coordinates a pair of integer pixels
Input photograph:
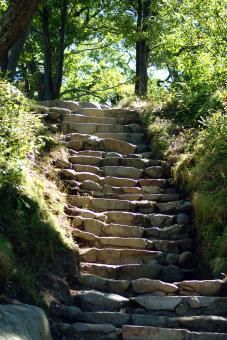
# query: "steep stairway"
{"type": "Point", "coordinates": [136, 239]}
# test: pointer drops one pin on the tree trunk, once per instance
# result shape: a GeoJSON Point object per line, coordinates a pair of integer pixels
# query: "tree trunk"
{"type": "Point", "coordinates": [15, 21]}
{"type": "Point", "coordinates": [142, 48]}
{"type": "Point", "coordinates": [14, 54]}
{"type": "Point", "coordinates": [48, 58]}
{"type": "Point", "coordinates": [61, 49]}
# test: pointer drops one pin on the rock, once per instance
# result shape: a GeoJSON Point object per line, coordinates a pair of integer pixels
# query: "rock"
{"type": "Point", "coordinates": [185, 258]}
{"type": "Point", "coordinates": [119, 182]}
{"type": "Point", "coordinates": [156, 333]}
{"type": "Point", "coordinates": [182, 219]}
{"type": "Point", "coordinates": [171, 259]}
{"type": "Point", "coordinates": [68, 173]}
{"type": "Point", "coordinates": [87, 105]}
{"type": "Point", "coordinates": [21, 322]}
{"type": "Point", "coordinates": [75, 145]}
{"type": "Point", "coordinates": [151, 189]}
{"type": "Point", "coordinates": [60, 163]}
{"type": "Point", "coordinates": [133, 271]}
{"type": "Point", "coordinates": [154, 171]}
{"type": "Point", "coordinates": [114, 145]}
{"type": "Point", "coordinates": [99, 283]}
{"type": "Point", "coordinates": [206, 287]}
{"type": "Point", "coordinates": [156, 303]}
{"type": "Point", "coordinates": [87, 168]}
{"type": "Point", "coordinates": [85, 159]}
{"type": "Point", "coordinates": [150, 286]}
{"type": "Point", "coordinates": [86, 331]}
{"type": "Point", "coordinates": [171, 273]}
{"type": "Point", "coordinates": [93, 226]}
{"type": "Point", "coordinates": [113, 155]}
{"type": "Point", "coordinates": [114, 318]}
{"type": "Point", "coordinates": [55, 113]}
{"type": "Point", "coordinates": [201, 323]}
{"type": "Point", "coordinates": [125, 172]}
{"type": "Point", "coordinates": [92, 301]}
{"type": "Point", "coordinates": [65, 104]}
{"type": "Point", "coordinates": [66, 312]}
{"type": "Point", "coordinates": [159, 220]}
{"type": "Point", "coordinates": [90, 186]}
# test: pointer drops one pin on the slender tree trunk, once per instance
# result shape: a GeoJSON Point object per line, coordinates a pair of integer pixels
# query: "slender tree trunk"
{"type": "Point", "coordinates": [15, 21]}
{"type": "Point", "coordinates": [61, 49]}
{"type": "Point", "coordinates": [48, 58]}
{"type": "Point", "coordinates": [14, 54]}
{"type": "Point", "coordinates": [142, 48]}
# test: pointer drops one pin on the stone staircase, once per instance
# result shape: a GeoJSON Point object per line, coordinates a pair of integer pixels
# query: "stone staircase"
{"type": "Point", "coordinates": [136, 239]}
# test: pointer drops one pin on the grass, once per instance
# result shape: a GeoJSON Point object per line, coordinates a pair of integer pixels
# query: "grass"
{"type": "Point", "coordinates": [199, 161]}
{"type": "Point", "coordinates": [34, 232]}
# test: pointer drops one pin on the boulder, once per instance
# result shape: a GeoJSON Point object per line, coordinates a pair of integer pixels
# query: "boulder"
{"type": "Point", "coordinates": [20, 322]}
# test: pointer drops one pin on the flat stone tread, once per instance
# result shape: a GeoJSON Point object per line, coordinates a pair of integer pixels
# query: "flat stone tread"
{"type": "Point", "coordinates": [119, 256]}
{"type": "Point", "coordinates": [104, 204]}
{"type": "Point", "coordinates": [126, 218]}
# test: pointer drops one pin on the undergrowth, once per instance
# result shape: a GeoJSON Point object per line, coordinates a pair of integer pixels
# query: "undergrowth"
{"type": "Point", "coordinates": [198, 155]}
{"type": "Point", "coordinates": [33, 230]}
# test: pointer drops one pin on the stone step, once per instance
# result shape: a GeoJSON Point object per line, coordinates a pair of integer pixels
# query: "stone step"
{"type": "Point", "coordinates": [79, 142]}
{"type": "Point", "coordinates": [131, 137]}
{"type": "Point", "coordinates": [173, 232]}
{"type": "Point", "coordinates": [87, 168]}
{"type": "Point", "coordinates": [122, 171]}
{"type": "Point", "coordinates": [199, 323]}
{"type": "Point", "coordinates": [83, 118]}
{"type": "Point", "coordinates": [129, 218]}
{"type": "Point", "coordinates": [202, 323]}
{"type": "Point", "coordinates": [120, 256]}
{"type": "Point", "coordinates": [93, 301]}
{"type": "Point", "coordinates": [111, 113]}
{"type": "Point", "coordinates": [166, 246]}
{"type": "Point", "coordinates": [104, 204]}
{"type": "Point", "coordinates": [103, 284]}
{"type": "Point", "coordinates": [139, 163]}
{"type": "Point", "coordinates": [84, 331]}
{"type": "Point", "coordinates": [157, 333]}
{"type": "Point", "coordinates": [111, 154]}
{"type": "Point", "coordinates": [100, 228]}
{"type": "Point", "coordinates": [80, 181]}
{"type": "Point", "coordinates": [182, 305]}
{"type": "Point", "coordinates": [130, 204]}
{"type": "Point", "coordinates": [94, 128]}
{"type": "Point", "coordinates": [130, 272]}
{"type": "Point", "coordinates": [151, 286]}
{"type": "Point", "coordinates": [129, 197]}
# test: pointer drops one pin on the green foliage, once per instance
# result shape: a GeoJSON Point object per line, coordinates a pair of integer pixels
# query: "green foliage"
{"type": "Point", "coordinates": [190, 43]}
{"type": "Point", "coordinates": [19, 134]}
{"type": "Point", "coordinates": [32, 230]}
{"type": "Point", "coordinates": [203, 171]}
